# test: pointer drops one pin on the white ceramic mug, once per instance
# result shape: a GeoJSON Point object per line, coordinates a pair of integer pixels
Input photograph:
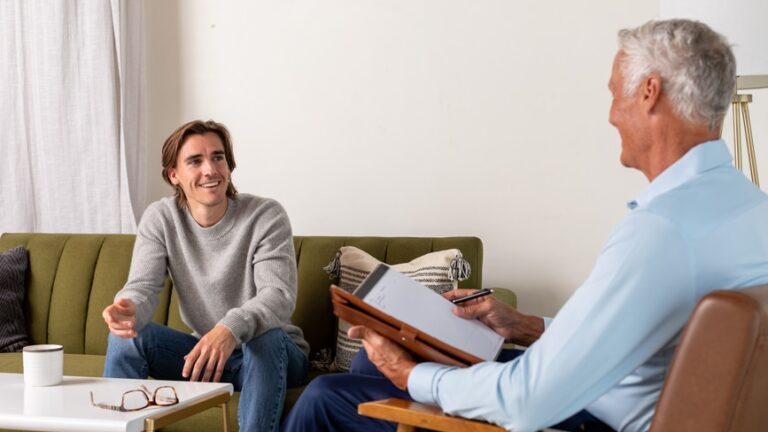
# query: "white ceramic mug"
{"type": "Point", "coordinates": [43, 365]}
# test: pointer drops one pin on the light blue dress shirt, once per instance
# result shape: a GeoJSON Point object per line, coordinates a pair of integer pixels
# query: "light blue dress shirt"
{"type": "Point", "coordinates": [699, 226]}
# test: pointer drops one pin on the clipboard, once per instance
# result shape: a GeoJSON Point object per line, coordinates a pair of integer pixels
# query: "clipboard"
{"type": "Point", "coordinates": [354, 310]}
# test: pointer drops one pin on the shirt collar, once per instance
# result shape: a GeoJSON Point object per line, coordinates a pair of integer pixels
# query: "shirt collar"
{"type": "Point", "coordinates": [700, 158]}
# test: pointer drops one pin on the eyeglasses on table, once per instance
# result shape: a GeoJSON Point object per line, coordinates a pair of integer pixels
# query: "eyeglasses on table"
{"type": "Point", "coordinates": [138, 399]}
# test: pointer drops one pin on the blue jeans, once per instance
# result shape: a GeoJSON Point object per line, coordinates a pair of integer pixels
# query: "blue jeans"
{"type": "Point", "coordinates": [260, 369]}
{"type": "Point", "coordinates": [330, 401]}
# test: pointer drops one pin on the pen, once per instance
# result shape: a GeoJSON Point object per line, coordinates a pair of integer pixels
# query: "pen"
{"type": "Point", "coordinates": [482, 293]}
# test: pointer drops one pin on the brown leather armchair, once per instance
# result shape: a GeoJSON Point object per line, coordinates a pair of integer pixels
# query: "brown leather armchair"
{"type": "Point", "coordinates": [718, 380]}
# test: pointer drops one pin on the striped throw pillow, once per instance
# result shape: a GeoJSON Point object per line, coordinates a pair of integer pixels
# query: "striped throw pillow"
{"type": "Point", "coordinates": [439, 271]}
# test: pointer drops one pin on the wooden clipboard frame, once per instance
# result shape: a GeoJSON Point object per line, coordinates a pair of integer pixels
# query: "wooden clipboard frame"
{"type": "Point", "coordinates": [354, 310]}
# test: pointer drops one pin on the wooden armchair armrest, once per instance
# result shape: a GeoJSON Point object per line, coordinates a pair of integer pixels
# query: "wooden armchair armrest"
{"type": "Point", "coordinates": [410, 415]}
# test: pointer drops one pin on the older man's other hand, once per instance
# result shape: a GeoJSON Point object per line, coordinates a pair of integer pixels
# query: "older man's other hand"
{"type": "Point", "coordinates": [391, 360]}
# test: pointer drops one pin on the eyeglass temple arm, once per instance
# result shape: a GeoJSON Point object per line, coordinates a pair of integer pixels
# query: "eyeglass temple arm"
{"type": "Point", "coordinates": [105, 406]}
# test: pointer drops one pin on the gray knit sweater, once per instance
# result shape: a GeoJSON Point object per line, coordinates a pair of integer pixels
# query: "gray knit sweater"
{"type": "Point", "coordinates": [240, 272]}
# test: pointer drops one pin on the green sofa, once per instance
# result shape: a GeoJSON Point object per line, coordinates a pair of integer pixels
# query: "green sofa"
{"type": "Point", "coordinates": [73, 277]}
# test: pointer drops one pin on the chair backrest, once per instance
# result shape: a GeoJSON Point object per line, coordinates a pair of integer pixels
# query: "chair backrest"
{"type": "Point", "coordinates": [718, 380]}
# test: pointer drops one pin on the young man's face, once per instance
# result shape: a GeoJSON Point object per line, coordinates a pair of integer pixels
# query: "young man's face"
{"type": "Point", "coordinates": [202, 172]}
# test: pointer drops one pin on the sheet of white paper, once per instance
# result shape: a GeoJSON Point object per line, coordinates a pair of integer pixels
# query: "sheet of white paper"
{"type": "Point", "coordinates": [418, 306]}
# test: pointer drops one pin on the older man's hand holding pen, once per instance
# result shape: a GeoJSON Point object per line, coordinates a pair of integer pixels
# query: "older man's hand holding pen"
{"type": "Point", "coordinates": [505, 320]}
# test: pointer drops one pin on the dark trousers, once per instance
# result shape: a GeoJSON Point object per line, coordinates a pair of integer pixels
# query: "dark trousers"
{"type": "Point", "coordinates": [330, 402]}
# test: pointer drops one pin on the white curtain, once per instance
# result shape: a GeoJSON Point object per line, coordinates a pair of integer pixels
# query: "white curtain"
{"type": "Point", "coordinates": [71, 132]}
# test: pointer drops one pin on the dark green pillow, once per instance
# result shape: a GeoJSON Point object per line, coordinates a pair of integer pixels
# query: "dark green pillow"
{"type": "Point", "coordinates": [13, 269]}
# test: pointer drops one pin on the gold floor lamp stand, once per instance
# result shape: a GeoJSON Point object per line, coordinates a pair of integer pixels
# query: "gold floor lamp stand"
{"type": "Point", "coordinates": [740, 105]}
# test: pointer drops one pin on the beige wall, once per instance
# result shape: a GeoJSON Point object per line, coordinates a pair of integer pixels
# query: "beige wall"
{"type": "Point", "coordinates": [413, 117]}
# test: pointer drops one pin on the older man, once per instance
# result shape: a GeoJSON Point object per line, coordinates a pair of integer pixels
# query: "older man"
{"type": "Point", "coordinates": [600, 363]}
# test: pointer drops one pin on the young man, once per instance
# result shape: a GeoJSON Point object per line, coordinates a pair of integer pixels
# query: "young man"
{"type": "Point", "coordinates": [232, 263]}
{"type": "Point", "coordinates": [601, 362]}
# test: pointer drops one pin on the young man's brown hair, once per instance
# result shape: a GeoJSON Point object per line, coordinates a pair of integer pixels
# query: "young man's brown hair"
{"type": "Point", "coordinates": [173, 145]}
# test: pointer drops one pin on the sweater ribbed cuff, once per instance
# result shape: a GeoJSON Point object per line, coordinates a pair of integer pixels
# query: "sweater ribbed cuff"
{"type": "Point", "coordinates": [239, 326]}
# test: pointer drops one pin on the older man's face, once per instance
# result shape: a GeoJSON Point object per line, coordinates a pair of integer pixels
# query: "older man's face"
{"type": "Point", "coordinates": [625, 116]}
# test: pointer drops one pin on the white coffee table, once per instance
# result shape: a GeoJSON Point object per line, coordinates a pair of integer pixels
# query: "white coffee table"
{"type": "Point", "coordinates": [67, 407]}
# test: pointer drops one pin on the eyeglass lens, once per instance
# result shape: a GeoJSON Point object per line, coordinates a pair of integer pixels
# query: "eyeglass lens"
{"type": "Point", "coordinates": [135, 400]}
{"type": "Point", "coordinates": [138, 399]}
{"type": "Point", "coordinates": [165, 395]}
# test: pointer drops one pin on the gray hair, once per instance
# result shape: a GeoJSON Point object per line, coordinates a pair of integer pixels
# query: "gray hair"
{"type": "Point", "coordinates": [696, 64]}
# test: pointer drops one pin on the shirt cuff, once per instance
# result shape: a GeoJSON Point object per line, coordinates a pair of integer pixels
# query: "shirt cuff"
{"type": "Point", "coordinates": [547, 320]}
{"type": "Point", "coordinates": [422, 382]}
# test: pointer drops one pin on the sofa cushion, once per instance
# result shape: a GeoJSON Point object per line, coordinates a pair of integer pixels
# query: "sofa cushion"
{"type": "Point", "coordinates": [439, 271]}
{"type": "Point", "coordinates": [13, 269]}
